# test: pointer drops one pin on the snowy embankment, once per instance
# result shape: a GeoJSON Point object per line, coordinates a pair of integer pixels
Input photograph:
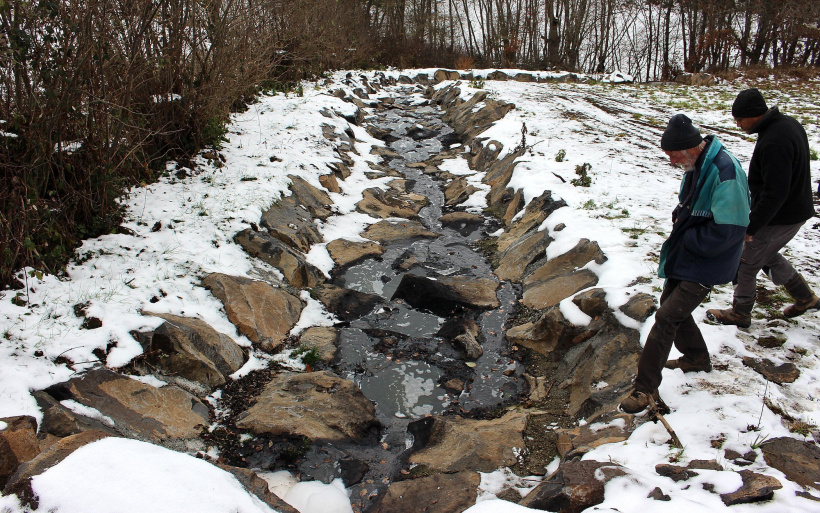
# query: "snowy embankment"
{"type": "Point", "coordinates": [184, 226]}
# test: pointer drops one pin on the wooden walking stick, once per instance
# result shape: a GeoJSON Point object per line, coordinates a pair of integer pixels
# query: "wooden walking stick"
{"type": "Point", "coordinates": [655, 414]}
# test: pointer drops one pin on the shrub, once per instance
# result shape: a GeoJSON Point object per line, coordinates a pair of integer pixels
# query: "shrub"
{"type": "Point", "coordinates": [583, 180]}
{"type": "Point", "coordinates": [559, 157]}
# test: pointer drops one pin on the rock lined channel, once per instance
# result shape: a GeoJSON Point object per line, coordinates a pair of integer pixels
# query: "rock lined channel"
{"type": "Point", "coordinates": [444, 364]}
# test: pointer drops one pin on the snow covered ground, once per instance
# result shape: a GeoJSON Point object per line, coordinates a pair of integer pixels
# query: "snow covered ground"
{"type": "Point", "coordinates": [615, 128]}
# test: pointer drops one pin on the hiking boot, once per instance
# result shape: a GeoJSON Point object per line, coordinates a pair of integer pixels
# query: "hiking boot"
{"type": "Point", "coordinates": [638, 401]}
{"type": "Point", "coordinates": [687, 364]}
{"type": "Point", "coordinates": [739, 315]}
{"type": "Point", "coordinates": [804, 298]}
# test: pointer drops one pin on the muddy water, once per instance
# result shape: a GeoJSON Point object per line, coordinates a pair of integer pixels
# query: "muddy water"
{"type": "Point", "coordinates": [394, 354]}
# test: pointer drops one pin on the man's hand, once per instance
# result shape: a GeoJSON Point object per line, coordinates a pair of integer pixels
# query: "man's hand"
{"type": "Point", "coordinates": [748, 238]}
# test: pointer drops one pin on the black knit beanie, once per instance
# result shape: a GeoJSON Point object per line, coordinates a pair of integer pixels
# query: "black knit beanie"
{"type": "Point", "coordinates": [680, 134]}
{"type": "Point", "coordinates": [749, 104]}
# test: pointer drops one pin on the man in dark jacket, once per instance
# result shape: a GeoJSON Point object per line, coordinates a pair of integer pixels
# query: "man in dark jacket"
{"type": "Point", "coordinates": [780, 183]}
{"type": "Point", "coordinates": [702, 250]}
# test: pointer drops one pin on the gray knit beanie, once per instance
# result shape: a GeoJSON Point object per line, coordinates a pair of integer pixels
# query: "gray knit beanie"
{"type": "Point", "coordinates": [680, 134]}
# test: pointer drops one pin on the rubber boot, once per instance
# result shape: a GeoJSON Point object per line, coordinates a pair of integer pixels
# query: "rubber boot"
{"type": "Point", "coordinates": [804, 298]}
{"type": "Point", "coordinates": [739, 315]}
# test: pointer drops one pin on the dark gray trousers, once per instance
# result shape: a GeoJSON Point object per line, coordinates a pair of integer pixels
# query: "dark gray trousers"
{"type": "Point", "coordinates": [673, 324]}
{"type": "Point", "coordinates": [763, 251]}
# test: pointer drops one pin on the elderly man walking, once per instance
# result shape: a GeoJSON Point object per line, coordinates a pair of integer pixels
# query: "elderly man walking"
{"type": "Point", "coordinates": [702, 250]}
{"type": "Point", "coordinates": [780, 183]}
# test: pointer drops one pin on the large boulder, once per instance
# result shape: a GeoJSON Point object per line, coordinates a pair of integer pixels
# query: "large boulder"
{"type": "Point", "coordinates": [292, 263]}
{"type": "Point", "coordinates": [263, 313]}
{"type": "Point", "coordinates": [455, 444]}
{"type": "Point", "coordinates": [386, 232]}
{"type": "Point", "coordinates": [574, 487]}
{"type": "Point", "coordinates": [442, 493]}
{"type": "Point", "coordinates": [190, 349]}
{"type": "Point", "coordinates": [18, 444]}
{"type": "Point", "coordinates": [346, 253]}
{"type": "Point", "coordinates": [135, 409]}
{"type": "Point", "coordinates": [317, 405]}
{"type": "Point", "coordinates": [447, 294]}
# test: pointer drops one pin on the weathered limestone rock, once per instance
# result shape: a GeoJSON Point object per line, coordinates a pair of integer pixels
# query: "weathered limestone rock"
{"type": "Point", "coordinates": [536, 211]}
{"type": "Point", "coordinates": [346, 304]}
{"type": "Point", "coordinates": [442, 493]}
{"type": "Point", "coordinates": [524, 77]}
{"type": "Point", "coordinates": [259, 487]}
{"type": "Point", "coordinates": [756, 488]}
{"type": "Point", "coordinates": [575, 486]}
{"type": "Point", "coordinates": [191, 349]}
{"type": "Point", "coordinates": [323, 338]}
{"type": "Point", "coordinates": [520, 254]}
{"type": "Point", "coordinates": [695, 79]}
{"type": "Point", "coordinates": [640, 306]}
{"type": "Point", "coordinates": [20, 483]}
{"type": "Point", "coordinates": [386, 232]}
{"type": "Point", "coordinates": [599, 372]}
{"type": "Point", "coordinates": [609, 428]}
{"type": "Point", "coordinates": [346, 253]}
{"type": "Point", "coordinates": [592, 302]}
{"type": "Point", "coordinates": [18, 444]}
{"type": "Point", "coordinates": [783, 373]}
{"type": "Point", "coordinates": [498, 75]}
{"type": "Point", "coordinates": [292, 224]}
{"type": "Point", "coordinates": [447, 294]}
{"type": "Point", "coordinates": [551, 333]}
{"type": "Point", "coordinates": [330, 182]}
{"type": "Point", "coordinates": [584, 252]}
{"type": "Point", "coordinates": [464, 222]}
{"type": "Point", "coordinates": [456, 444]}
{"type": "Point", "coordinates": [554, 290]}
{"type": "Point", "coordinates": [462, 333]}
{"type": "Point", "coordinates": [799, 460]}
{"type": "Point", "coordinates": [498, 176]}
{"type": "Point", "coordinates": [315, 200]}
{"type": "Point", "coordinates": [318, 405]}
{"type": "Point", "coordinates": [262, 313]}
{"type": "Point", "coordinates": [458, 191]}
{"type": "Point", "coordinates": [445, 74]}
{"type": "Point", "coordinates": [58, 421]}
{"type": "Point", "coordinates": [468, 124]}
{"type": "Point", "coordinates": [297, 271]}
{"type": "Point", "coordinates": [378, 203]}
{"type": "Point", "coordinates": [515, 206]}
{"type": "Point", "coordinates": [138, 410]}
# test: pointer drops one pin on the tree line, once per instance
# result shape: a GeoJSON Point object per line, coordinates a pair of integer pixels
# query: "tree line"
{"type": "Point", "coordinates": [96, 95]}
